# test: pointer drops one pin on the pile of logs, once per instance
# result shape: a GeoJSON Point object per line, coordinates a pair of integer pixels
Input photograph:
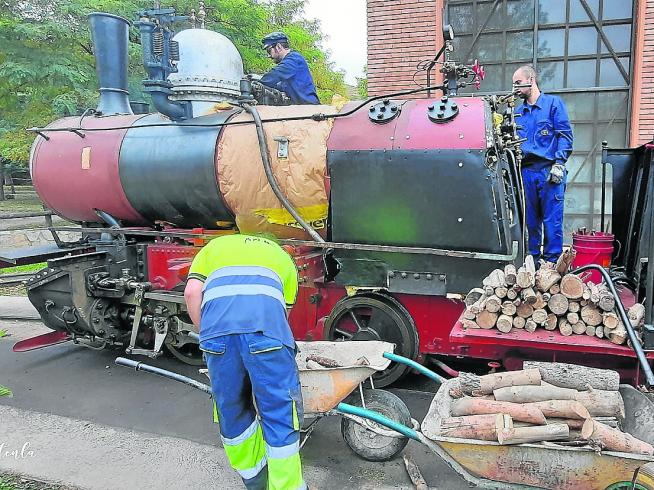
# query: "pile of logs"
{"type": "Point", "coordinates": [550, 298]}
{"type": "Point", "coordinates": [570, 404]}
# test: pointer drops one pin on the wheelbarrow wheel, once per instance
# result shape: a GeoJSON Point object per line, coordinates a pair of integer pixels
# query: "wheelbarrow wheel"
{"type": "Point", "coordinates": [371, 445]}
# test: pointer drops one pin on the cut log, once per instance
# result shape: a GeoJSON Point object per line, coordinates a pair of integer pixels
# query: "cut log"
{"type": "Point", "coordinates": [518, 322]}
{"type": "Point", "coordinates": [471, 384]}
{"type": "Point", "coordinates": [482, 427]}
{"type": "Point", "coordinates": [594, 292]}
{"type": "Point", "coordinates": [546, 297]}
{"type": "Point", "coordinates": [468, 315]}
{"type": "Point", "coordinates": [493, 304]}
{"type": "Point", "coordinates": [528, 394]}
{"type": "Point", "coordinates": [573, 424]}
{"type": "Point", "coordinates": [558, 304]}
{"type": "Point", "coordinates": [573, 376]}
{"type": "Point", "coordinates": [607, 300]}
{"type": "Point", "coordinates": [546, 278]}
{"type": "Point", "coordinates": [564, 409]}
{"type": "Point", "coordinates": [591, 315]}
{"type": "Point", "coordinates": [636, 315]}
{"type": "Point", "coordinates": [489, 290]}
{"type": "Point", "coordinates": [517, 411]}
{"type": "Point", "coordinates": [586, 294]}
{"type": "Point", "coordinates": [526, 274]}
{"type": "Point", "coordinates": [508, 308]}
{"type": "Point", "coordinates": [495, 279]}
{"type": "Point", "coordinates": [572, 287]}
{"type": "Point", "coordinates": [501, 292]}
{"type": "Point", "coordinates": [540, 302]}
{"type": "Point", "coordinates": [565, 261]}
{"type": "Point", "coordinates": [556, 289]}
{"type": "Point", "coordinates": [521, 435]}
{"type": "Point", "coordinates": [525, 310]}
{"type": "Point", "coordinates": [486, 319]}
{"type": "Point", "coordinates": [618, 335]}
{"type": "Point", "coordinates": [531, 325]}
{"type": "Point", "coordinates": [414, 473]}
{"type": "Point", "coordinates": [599, 331]}
{"type": "Point", "coordinates": [466, 324]}
{"type": "Point", "coordinates": [509, 274]}
{"type": "Point", "coordinates": [573, 318]}
{"type": "Point", "coordinates": [511, 294]}
{"type": "Point", "coordinates": [612, 439]}
{"type": "Point", "coordinates": [574, 306]}
{"type": "Point", "coordinates": [602, 403]}
{"type": "Point", "coordinates": [552, 322]}
{"type": "Point", "coordinates": [539, 316]}
{"type": "Point", "coordinates": [590, 330]}
{"type": "Point", "coordinates": [528, 296]}
{"type": "Point", "coordinates": [564, 327]}
{"type": "Point", "coordinates": [504, 323]}
{"type": "Point", "coordinates": [578, 328]}
{"type": "Point", "coordinates": [478, 306]}
{"type": "Point", "coordinates": [610, 320]}
{"type": "Point", "coordinates": [530, 265]}
{"type": "Point", "coordinates": [473, 296]}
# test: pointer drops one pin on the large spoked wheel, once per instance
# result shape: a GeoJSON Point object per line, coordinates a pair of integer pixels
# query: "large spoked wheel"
{"type": "Point", "coordinates": [371, 445]}
{"type": "Point", "coordinates": [182, 346]}
{"type": "Point", "coordinates": [375, 317]}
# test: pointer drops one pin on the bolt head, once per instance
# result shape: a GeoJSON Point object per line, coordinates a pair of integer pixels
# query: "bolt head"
{"type": "Point", "coordinates": [460, 220]}
{"type": "Point", "coordinates": [444, 98]}
{"type": "Point", "coordinates": [403, 275]}
{"type": "Point", "coordinates": [416, 276]}
{"type": "Point", "coordinates": [394, 108]}
{"type": "Point", "coordinates": [372, 109]}
{"type": "Point", "coordinates": [431, 107]}
{"type": "Point", "coordinates": [380, 116]}
{"type": "Point", "coordinates": [386, 101]}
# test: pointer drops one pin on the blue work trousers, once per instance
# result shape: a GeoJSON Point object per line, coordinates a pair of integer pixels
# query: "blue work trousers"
{"type": "Point", "coordinates": [544, 203]}
{"type": "Point", "coordinates": [258, 404]}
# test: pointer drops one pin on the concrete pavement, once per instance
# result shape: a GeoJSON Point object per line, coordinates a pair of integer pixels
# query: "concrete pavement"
{"type": "Point", "coordinates": [17, 307]}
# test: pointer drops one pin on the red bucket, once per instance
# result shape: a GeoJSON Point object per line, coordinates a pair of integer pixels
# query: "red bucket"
{"type": "Point", "coordinates": [595, 248]}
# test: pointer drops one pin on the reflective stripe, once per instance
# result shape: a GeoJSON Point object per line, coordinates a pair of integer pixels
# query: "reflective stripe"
{"type": "Point", "coordinates": [243, 436]}
{"type": "Point", "coordinates": [252, 472]}
{"type": "Point", "coordinates": [282, 452]}
{"type": "Point", "coordinates": [251, 270]}
{"type": "Point", "coordinates": [286, 473]}
{"type": "Point", "coordinates": [242, 289]}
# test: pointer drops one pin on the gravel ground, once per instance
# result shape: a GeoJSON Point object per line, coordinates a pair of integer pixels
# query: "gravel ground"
{"type": "Point", "coordinates": [16, 482]}
{"type": "Point", "coordinates": [13, 291]}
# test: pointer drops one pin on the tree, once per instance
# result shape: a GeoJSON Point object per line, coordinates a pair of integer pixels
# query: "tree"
{"type": "Point", "coordinates": [47, 67]}
{"type": "Point", "coordinates": [362, 84]}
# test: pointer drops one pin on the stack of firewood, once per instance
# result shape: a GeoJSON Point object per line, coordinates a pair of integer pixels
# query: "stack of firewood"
{"type": "Point", "coordinates": [570, 404]}
{"type": "Point", "coordinates": [550, 298]}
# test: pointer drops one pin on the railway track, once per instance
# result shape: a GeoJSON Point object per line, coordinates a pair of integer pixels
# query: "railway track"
{"type": "Point", "coordinates": [14, 279]}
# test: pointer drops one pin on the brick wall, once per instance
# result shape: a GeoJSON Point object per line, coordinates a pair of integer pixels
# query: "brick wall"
{"type": "Point", "coordinates": [401, 33]}
{"type": "Point", "coordinates": [642, 119]}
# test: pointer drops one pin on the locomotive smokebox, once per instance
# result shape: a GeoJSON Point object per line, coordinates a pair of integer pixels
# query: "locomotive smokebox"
{"type": "Point", "coordinates": [109, 34]}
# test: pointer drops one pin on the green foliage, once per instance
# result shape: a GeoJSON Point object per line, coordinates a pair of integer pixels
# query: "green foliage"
{"type": "Point", "coordinates": [3, 333]}
{"type": "Point", "coordinates": [4, 391]}
{"type": "Point", "coordinates": [362, 85]}
{"type": "Point", "coordinates": [47, 69]}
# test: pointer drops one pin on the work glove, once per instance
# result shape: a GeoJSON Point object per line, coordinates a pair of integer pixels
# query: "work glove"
{"type": "Point", "coordinates": [557, 173]}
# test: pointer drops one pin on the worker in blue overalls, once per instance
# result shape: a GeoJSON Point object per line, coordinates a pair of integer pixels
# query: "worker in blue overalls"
{"type": "Point", "coordinates": [291, 75]}
{"type": "Point", "coordinates": [548, 145]}
{"type": "Point", "coordinates": [237, 291]}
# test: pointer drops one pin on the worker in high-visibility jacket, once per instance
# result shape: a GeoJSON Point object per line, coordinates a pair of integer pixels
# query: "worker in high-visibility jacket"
{"type": "Point", "coordinates": [238, 289]}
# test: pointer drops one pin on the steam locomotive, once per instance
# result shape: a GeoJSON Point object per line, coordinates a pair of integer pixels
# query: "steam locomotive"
{"type": "Point", "coordinates": [391, 208]}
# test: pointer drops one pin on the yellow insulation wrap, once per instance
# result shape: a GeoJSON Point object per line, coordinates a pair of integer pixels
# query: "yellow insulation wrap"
{"type": "Point", "coordinates": [301, 175]}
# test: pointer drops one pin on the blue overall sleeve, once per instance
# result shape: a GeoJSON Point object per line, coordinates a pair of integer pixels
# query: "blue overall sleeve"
{"type": "Point", "coordinates": [283, 71]}
{"type": "Point", "coordinates": [562, 132]}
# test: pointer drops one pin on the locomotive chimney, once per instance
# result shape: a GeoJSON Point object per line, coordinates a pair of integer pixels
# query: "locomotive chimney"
{"type": "Point", "coordinates": [110, 37]}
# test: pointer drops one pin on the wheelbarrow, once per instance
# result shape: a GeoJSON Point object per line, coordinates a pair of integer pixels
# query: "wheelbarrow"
{"type": "Point", "coordinates": [324, 390]}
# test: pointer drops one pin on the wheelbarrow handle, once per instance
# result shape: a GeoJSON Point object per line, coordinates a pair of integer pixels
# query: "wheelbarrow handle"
{"type": "Point", "coordinates": [139, 366]}
{"type": "Point", "coordinates": [413, 364]}
{"type": "Point", "coordinates": [379, 418]}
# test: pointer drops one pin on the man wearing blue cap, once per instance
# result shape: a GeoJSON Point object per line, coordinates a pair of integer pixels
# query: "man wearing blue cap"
{"type": "Point", "coordinates": [291, 75]}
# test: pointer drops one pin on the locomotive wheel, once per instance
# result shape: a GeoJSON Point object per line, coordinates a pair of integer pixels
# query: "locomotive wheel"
{"type": "Point", "coordinates": [375, 317]}
{"type": "Point", "coordinates": [184, 348]}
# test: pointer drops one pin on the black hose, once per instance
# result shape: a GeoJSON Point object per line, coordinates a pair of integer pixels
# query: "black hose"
{"type": "Point", "coordinates": [314, 117]}
{"type": "Point", "coordinates": [139, 366]}
{"type": "Point", "coordinates": [265, 157]}
{"type": "Point", "coordinates": [635, 342]}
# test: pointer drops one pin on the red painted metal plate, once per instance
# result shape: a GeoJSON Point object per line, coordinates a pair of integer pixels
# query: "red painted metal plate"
{"type": "Point", "coordinates": [358, 132]}
{"type": "Point", "coordinates": [75, 175]}
{"type": "Point", "coordinates": [542, 340]}
{"type": "Point", "coordinates": [167, 264]}
{"type": "Point", "coordinates": [40, 341]}
{"type": "Point", "coordinates": [466, 131]}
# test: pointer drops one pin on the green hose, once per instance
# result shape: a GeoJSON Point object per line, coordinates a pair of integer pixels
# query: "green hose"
{"type": "Point", "coordinates": [379, 418]}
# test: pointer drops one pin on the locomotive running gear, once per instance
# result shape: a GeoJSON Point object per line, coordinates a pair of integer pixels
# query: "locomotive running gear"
{"type": "Point", "coordinates": [545, 202]}
{"type": "Point", "coordinates": [240, 298]}
{"type": "Point", "coordinates": [292, 76]}
{"type": "Point", "coordinates": [240, 365]}
{"type": "Point", "coordinates": [557, 173]}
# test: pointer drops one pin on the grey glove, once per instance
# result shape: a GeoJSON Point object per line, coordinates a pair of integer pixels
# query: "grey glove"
{"type": "Point", "coordinates": [557, 173]}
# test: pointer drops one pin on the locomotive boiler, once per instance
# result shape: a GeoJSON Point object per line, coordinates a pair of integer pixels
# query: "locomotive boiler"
{"type": "Point", "coordinates": [391, 207]}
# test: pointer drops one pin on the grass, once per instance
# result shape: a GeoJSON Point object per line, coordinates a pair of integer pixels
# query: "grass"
{"type": "Point", "coordinates": [15, 482]}
{"type": "Point", "coordinates": [21, 205]}
{"type": "Point", "coordinates": [3, 333]}
{"type": "Point", "coordinates": [4, 391]}
{"type": "Point", "coordinates": [23, 268]}
{"type": "Point", "coordinates": [5, 485]}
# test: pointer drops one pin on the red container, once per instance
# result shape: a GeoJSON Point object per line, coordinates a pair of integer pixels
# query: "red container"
{"type": "Point", "coordinates": [595, 248]}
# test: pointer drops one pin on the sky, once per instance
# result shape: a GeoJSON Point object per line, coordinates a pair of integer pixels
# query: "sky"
{"type": "Point", "coordinates": [344, 25]}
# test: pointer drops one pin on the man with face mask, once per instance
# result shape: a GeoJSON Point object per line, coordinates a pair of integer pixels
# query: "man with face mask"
{"type": "Point", "coordinates": [546, 128]}
{"type": "Point", "coordinates": [291, 75]}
